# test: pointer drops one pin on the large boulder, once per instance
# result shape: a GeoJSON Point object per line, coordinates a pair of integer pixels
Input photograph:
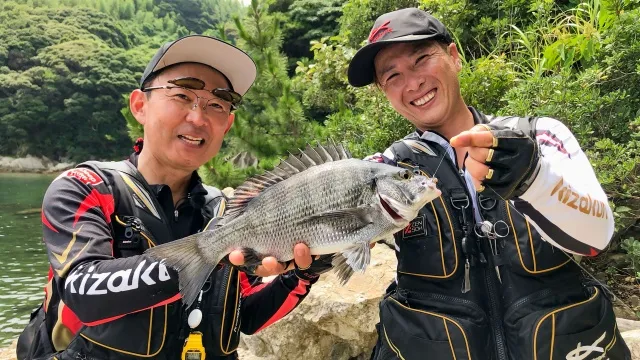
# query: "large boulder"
{"type": "Point", "coordinates": [32, 164]}
{"type": "Point", "coordinates": [26, 164]}
{"type": "Point", "coordinates": [334, 322]}
{"type": "Point", "coordinates": [633, 340]}
{"type": "Point", "coordinates": [10, 352]}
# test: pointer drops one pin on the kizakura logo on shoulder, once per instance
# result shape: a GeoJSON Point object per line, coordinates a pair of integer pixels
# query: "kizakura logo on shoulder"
{"type": "Point", "coordinates": [94, 283]}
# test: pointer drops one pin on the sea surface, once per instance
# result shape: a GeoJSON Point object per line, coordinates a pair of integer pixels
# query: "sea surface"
{"type": "Point", "coordinates": [23, 260]}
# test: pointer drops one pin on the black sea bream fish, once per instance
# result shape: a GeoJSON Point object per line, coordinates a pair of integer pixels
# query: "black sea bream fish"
{"type": "Point", "coordinates": [321, 197]}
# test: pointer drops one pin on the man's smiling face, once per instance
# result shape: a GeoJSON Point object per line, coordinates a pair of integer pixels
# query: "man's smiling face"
{"type": "Point", "coordinates": [178, 135]}
{"type": "Point", "coordinates": [420, 80]}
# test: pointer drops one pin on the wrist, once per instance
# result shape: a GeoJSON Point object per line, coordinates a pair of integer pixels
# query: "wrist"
{"type": "Point", "coordinates": [530, 176]}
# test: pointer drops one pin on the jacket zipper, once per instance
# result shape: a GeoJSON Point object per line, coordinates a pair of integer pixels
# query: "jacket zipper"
{"type": "Point", "coordinates": [496, 324]}
{"type": "Point", "coordinates": [176, 212]}
{"type": "Point", "coordinates": [525, 300]}
{"type": "Point", "coordinates": [445, 298]}
{"type": "Point", "coordinates": [494, 319]}
{"type": "Point", "coordinates": [465, 241]}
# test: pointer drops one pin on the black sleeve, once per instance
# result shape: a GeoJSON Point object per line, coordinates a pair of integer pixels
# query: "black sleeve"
{"type": "Point", "coordinates": [265, 303]}
{"type": "Point", "coordinates": [97, 287]}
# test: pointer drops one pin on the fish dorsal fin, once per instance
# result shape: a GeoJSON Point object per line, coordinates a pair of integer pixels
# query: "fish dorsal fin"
{"type": "Point", "coordinates": [293, 164]}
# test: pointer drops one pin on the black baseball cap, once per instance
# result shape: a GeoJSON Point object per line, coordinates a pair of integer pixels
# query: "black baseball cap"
{"type": "Point", "coordinates": [233, 63]}
{"type": "Point", "coordinates": [405, 25]}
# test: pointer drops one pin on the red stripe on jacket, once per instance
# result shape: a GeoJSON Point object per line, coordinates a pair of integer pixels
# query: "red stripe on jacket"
{"type": "Point", "coordinates": [246, 288]}
{"type": "Point", "coordinates": [95, 198]}
{"type": "Point", "coordinates": [289, 304]}
{"type": "Point", "coordinates": [103, 321]}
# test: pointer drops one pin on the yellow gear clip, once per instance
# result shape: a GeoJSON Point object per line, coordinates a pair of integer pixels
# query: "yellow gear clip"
{"type": "Point", "coordinates": [193, 348]}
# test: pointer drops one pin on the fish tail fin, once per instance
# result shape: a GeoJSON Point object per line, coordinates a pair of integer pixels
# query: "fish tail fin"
{"type": "Point", "coordinates": [185, 256]}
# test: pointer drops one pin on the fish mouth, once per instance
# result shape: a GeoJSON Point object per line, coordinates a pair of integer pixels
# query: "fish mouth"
{"type": "Point", "coordinates": [398, 212]}
{"type": "Point", "coordinates": [385, 205]}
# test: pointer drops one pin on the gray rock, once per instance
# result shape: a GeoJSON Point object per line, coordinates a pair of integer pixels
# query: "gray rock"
{"type": "Point", "coordinates": [61, 167]}
{"type": "Point", "coordinates": [632, 338]}
{"type": "Point", "coordinates": [29, 164]}
{"type": "Point", "coordinates": [628, 325]}
{"type": "Point", "coordinates": [338, 322]}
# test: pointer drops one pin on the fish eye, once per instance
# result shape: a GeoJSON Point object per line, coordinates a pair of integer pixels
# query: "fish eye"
{"type": "Point", "coordinates": [405, 174]}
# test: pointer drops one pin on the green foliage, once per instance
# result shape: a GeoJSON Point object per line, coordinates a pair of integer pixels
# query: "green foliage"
{"type": "Point", "coordinates": [370, 127]}
{"type": "Point", "coordinates": [632, 247]}
{"type": "Point", "coordinates": [65, 65]}
{"type": "Point", "coordinates": [578, 101]}
{"type": "Point", "coordinates": [324, 81]}
{"type": "Point", "coordinates": [358, 17]}
{"type": "Point", "coordinates": [304, 21]}
{"type": "Point", "coordinates": [484, 81]}
{"type": "Point", "coordinates": [270, 121]}
{"type": "Point", "coordinates": [618, 170]}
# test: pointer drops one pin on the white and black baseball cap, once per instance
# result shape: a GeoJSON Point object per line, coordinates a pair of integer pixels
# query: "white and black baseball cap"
{"type": "Point", "coordinates": [405, 25]}
{"type": "Point", "coordinates": [233, 63]}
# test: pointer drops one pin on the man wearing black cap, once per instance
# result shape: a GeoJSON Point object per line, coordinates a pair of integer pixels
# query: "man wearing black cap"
{"type": "Point", "coordinates": [484, 271]}
{"type": "Point", "coordinates": [105, 299]}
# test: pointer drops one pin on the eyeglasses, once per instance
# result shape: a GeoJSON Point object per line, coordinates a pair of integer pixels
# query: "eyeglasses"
{"type": "Point", "coordinates": [188, 83]}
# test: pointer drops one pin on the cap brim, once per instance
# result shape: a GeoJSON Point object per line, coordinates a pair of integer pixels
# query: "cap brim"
{"type": "Point", "coordinates": [234, 63]}
{"type": "Point", "coordinates": [361, 68]}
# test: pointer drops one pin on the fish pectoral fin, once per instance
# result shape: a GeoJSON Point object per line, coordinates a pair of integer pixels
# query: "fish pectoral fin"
{"type": "Point", "coordinates": [362, 214]}
{"type": "Point", "coordinates": [354, 258]}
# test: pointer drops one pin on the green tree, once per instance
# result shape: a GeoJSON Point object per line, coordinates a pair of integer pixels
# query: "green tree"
{"type": "Point", "coordinates": [304, 21]}
{"type": "Point", "coordinates": [271, 120]}
{"type": "Point", "coordinates": [65, 65]}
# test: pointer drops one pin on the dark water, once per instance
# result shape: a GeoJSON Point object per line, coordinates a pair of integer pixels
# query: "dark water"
{"type": "Point", "coordinates": [23, 261]}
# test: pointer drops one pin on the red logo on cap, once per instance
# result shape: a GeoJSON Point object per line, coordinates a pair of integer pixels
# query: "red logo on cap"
{"type": "Point", "coordinates": [379, 32]}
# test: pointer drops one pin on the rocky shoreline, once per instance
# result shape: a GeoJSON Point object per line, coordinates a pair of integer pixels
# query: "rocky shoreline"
{"type": "Point", "coordinates": [33, 164]}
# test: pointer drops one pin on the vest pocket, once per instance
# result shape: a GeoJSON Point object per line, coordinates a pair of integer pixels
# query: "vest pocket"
{"type": "Point", "coordinates": [524, 248]}
{"type": "Point", "coordinates": [222, 330]}
{"type": "Point", "coordinates": [581, 329]}
{"type": "Point", "coordinates": [411, 328]}
{"type": "Point", "coordinates": [429, 244]}
{"type": "Point", "coordinates": [141, 334]}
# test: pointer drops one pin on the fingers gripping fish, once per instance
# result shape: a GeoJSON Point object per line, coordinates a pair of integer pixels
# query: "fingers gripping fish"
{"type": "Point", "coordinates": [320, 196]}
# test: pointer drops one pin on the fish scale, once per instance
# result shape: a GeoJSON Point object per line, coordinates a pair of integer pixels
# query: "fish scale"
{"type": "Point", "coordinates": [321, 197]}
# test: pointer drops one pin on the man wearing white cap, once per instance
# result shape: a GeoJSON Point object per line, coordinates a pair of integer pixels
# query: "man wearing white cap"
{"type": "Point", "coordinates": [105, 299]}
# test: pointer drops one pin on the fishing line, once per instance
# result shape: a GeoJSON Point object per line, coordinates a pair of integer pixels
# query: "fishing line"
{"type": "Point", "coordinates": [440, 163]}
{"type": "Point", "coordinates": [570, 256]}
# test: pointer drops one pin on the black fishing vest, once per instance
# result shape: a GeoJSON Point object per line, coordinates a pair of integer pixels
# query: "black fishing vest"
{"type": "Point", "coordinates": [449, 302]}
{"type": "Point", "coordinates": [138, 223]}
